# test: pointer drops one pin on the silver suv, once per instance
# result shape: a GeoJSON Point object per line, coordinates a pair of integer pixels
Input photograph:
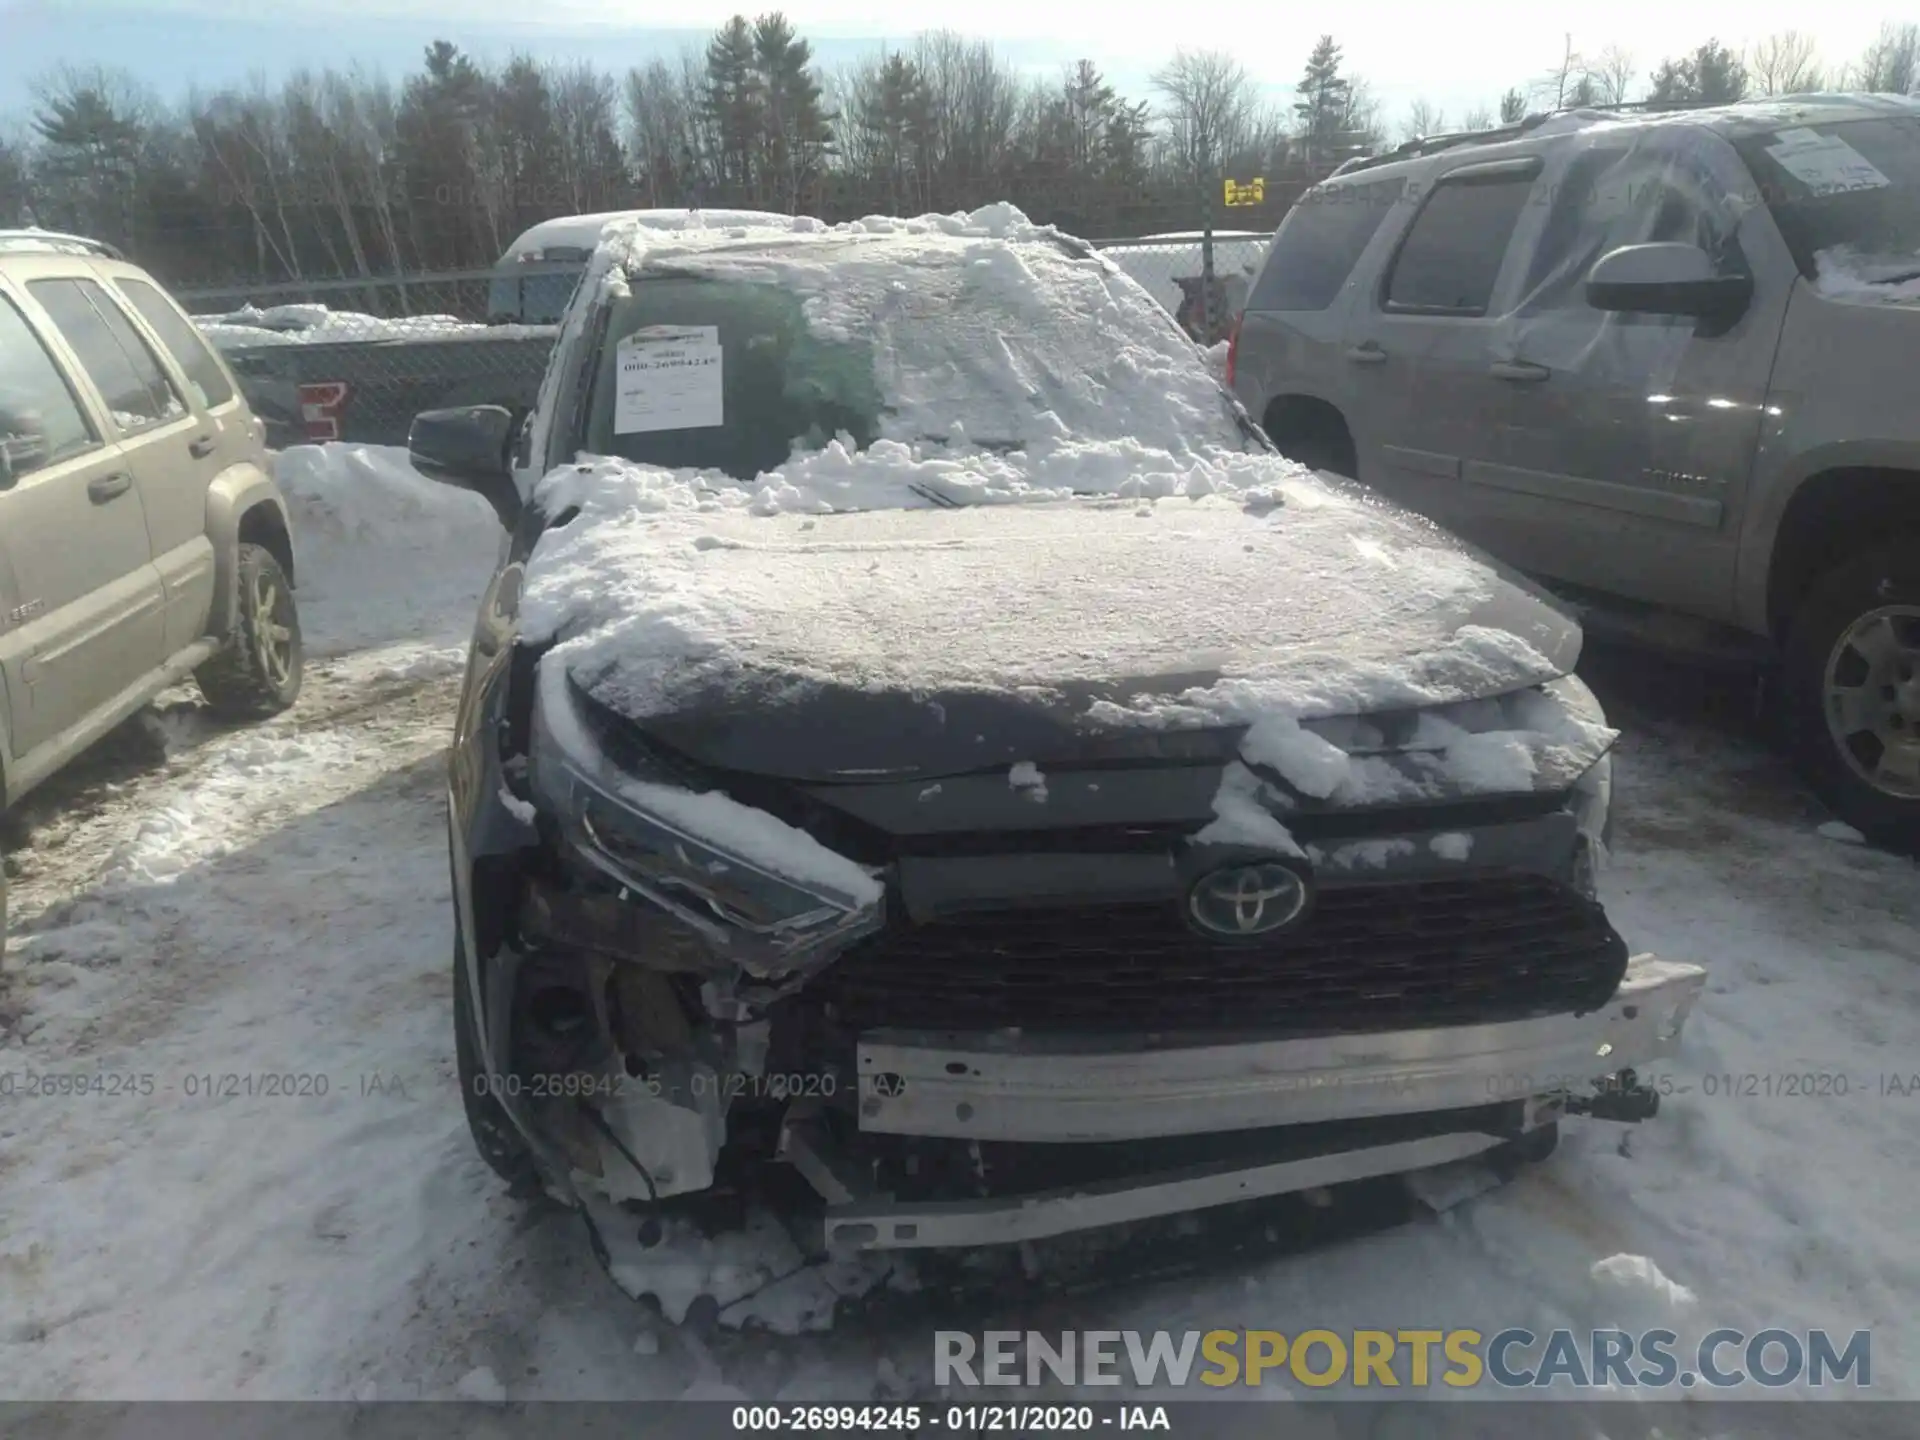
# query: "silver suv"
{"type": "Point", "coordinates": [1664, 362]}
{"type": "Point", "coordinates": [142, 538]}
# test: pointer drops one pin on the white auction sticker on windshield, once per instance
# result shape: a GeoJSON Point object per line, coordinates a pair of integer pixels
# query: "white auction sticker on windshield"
{"type": "Point", "coordinates": [1825, 164]}
{"type": "Point", "coordinates": [667, 377]}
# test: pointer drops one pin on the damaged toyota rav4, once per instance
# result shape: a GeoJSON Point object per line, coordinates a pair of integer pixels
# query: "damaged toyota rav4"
{"type": "Point", "coordinates": [920, 734]}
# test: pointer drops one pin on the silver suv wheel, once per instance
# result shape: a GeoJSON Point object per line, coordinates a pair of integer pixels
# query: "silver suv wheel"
{"type": "Point", "coordinates": [1872, 696]}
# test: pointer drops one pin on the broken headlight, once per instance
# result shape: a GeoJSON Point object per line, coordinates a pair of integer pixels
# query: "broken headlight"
{"type": "Point", "coordinates": [756, 888]}
{"type": "Point", "coordinates": [1592, 793]}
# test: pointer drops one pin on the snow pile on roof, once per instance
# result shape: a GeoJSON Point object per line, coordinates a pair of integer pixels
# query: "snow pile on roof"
{"type": "Point", "coordinates": [937, 297]}
{"type": "Point", "coordinates": [583, 231]}
{"type": "Point", "coordinates": [1843, 273]}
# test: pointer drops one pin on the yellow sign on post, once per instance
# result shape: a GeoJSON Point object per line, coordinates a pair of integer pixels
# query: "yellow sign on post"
{"type": "Point", "coordinates": [1251, 192]}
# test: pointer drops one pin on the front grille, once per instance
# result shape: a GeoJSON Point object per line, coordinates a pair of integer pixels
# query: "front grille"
{"type": "Point", "coordinates": [1370, 957]}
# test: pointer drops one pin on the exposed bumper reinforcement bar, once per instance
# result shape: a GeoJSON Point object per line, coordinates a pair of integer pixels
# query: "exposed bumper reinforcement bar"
{"type": "Point", "coordinates": [885, 1225]}
{"type": "Point", "coordinates": [1023, 1089]}
{"type": "Point", "coordinates": [1033, 1089]}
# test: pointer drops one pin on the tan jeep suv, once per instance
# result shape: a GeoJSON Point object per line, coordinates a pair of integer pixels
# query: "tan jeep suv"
{"type": "Point", "coordinates": [142, 538]}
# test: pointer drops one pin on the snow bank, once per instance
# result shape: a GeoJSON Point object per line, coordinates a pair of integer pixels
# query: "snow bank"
{"type": "Point", "coordinates": [1843, 273]}
{"type": "Point", "coordinates": [388, 554]}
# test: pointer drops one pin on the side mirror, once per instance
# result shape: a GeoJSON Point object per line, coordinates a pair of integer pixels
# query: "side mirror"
{"type": "Point", "coordinates": [1667, 279]}
{"type": "Point", "coordinates": [468, 448]}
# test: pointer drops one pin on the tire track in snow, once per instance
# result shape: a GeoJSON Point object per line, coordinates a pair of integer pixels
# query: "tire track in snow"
{"type": "Point", "coordinates": [65, 835]}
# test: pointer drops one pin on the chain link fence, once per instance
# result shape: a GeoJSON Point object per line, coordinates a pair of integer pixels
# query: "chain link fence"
{"type": "Point", "coordinates": [357, 359]}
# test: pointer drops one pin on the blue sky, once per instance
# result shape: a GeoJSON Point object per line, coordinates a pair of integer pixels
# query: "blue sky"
{"type": "Point", "coordinates": [171, 47]}
{"type": "Point", "coordinates": [1456, 56]}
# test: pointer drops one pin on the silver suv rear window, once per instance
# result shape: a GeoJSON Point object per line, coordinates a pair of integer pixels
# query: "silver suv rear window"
{"type": "Point", "coordinates": [1319, 243]}
{"type": "Point", "coordinates": [1451, 257]}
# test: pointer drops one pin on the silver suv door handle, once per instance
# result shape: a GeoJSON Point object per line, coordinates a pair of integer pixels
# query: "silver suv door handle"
{"type": "Point", "coordinates": [1523, 372]}
{"type": "Point", "coordinates": [200, 446]}
{"type": "Point", "coordinates": [1367, 354]}
{"type": "Point", "coordinates": [109, 487]}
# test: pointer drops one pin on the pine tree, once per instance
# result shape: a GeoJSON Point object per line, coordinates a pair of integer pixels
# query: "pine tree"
{"type": "Point", "coordinates": [1088, 112]}
{"type": "Point", "coordinates": [1711, 75]}
{"type": "Point", "coordinates": [893, 121]}
{"type": "Point", "coordinates": [89, 160]}
{"type": "Point", "coordinates": [1513, 106]}
{"type": "Point", "coordinates": [522, 141]}
{"type": "Point", "coordinates": [795, 129]}
{"type": "Point", "coordinates": [436, 139]}
{"type": "Point", "coordinates": [16, 196]}
{"type": "Point", "coordinates": [734, 104]}
{"type": "Point", "coordinates": [1129, 132]}
{"type": "Point", "coordinates": [1719, 73]}
{"type": "Point", "coordinates": [1323, 104]}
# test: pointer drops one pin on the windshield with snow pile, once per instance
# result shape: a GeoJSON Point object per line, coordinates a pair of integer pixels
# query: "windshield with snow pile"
{"type": "Point", "coordinates": [739, 360]}
{"type": "Point", "coordinates": [748, 362]}
{"type": "Point", "coordinates": [1845, 195]}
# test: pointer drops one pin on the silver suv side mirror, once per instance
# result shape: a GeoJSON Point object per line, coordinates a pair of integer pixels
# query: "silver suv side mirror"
{"type": "Point", "coordinates": [1667, 278]}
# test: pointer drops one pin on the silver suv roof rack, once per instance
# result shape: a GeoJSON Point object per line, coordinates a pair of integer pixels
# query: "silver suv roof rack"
{"type": "Point", "coordinates": [55, 240]}
{"type": "Point", "coordinates": [1432, 144]}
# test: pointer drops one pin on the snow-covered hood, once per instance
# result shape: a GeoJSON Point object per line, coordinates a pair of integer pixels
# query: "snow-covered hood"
{"type": "Point", "coordinates": [930, 641]}
{"type": "Point", "coordinates": [1844, 274]}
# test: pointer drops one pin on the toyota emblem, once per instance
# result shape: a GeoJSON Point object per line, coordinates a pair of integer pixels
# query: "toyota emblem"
{"type": "Point", "coordinates": [1240, 902]}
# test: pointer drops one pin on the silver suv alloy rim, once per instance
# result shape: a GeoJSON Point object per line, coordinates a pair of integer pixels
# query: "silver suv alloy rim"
{"type": "Point", "coordinates": [1873, 699]}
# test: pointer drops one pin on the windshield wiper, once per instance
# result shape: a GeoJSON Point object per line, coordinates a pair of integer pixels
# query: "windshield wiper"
{"type": "Point", "coordinates": [934, 497]}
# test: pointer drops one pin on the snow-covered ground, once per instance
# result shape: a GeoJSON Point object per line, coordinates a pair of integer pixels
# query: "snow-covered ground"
{"type": "Point", "coordinates": [195, 903]}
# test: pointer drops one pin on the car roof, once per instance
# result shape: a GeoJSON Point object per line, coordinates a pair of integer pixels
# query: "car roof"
{"type": "Point", "coordinates": [582, 232]}
{"type": "Point", "coordinates": [34, 241]}
{"type": "Point", "coordinates": [1196, 235]}
{"type": "Point", "coordinates": [1734, 121]}
{"type": "Point", "coordinates": [704, 249]}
